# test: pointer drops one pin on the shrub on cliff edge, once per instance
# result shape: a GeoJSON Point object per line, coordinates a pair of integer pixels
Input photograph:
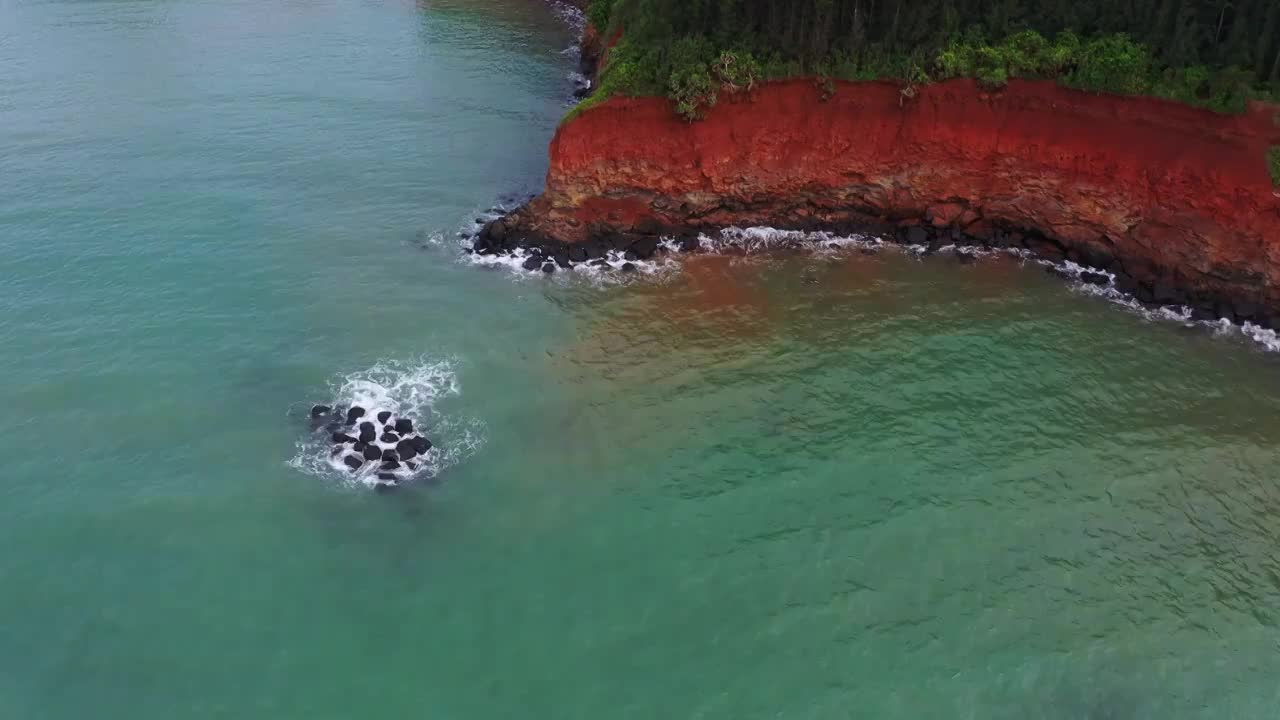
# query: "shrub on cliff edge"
{"type": "Point", "coordinates": [699, 75]}
{"type": "Point", "coordinates": [1273, 164]}
{"type": "Point", "coordinates": [600, 13]}
{"type": "Point", "coordinates": [1113, 64]}
{"type": "Point", "coordinates": [694, 74]}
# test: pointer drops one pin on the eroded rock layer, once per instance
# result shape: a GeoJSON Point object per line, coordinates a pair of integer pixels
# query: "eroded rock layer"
{"type": "Point", "coordinates": [1177, 200]}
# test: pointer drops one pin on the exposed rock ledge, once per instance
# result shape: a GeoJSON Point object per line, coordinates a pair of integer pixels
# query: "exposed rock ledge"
{"type": "Point", "coordinates": [1178, 201]}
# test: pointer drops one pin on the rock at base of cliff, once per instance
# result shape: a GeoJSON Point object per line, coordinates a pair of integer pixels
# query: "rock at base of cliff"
{"type": "Point", "coordinates": [690, 243]}
{"type": "Point", "coordinates": [645, 248]}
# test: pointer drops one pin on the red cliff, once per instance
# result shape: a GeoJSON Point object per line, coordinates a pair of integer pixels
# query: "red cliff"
{"type": "Point", "coordinates": [1177, 195]}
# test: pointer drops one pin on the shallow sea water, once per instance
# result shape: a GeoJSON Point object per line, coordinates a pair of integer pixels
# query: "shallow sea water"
{"type": "Point", "coordinates": [788, 484]}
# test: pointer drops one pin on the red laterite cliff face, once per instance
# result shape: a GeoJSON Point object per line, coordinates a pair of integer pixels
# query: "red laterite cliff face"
{"type": "Point", "coordinates": [1177, 195]}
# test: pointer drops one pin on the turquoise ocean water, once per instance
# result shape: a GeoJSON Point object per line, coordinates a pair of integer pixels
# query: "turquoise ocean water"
{"type": "Point", "coordinates": [805, 485]}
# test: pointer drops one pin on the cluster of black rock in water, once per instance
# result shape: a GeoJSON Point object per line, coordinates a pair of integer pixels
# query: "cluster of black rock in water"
{"type": "Point", "coordinates": [391, 444]}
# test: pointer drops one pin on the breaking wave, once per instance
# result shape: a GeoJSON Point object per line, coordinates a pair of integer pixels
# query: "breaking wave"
{"type": "Point", "coordinates": [408, 390]}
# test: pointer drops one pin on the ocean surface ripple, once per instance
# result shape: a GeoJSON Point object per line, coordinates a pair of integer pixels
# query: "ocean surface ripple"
{"type": "Point", "coordinates": [761, 482]}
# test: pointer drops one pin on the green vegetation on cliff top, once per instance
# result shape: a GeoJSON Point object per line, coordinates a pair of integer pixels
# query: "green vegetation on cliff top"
{"type": "Point", "coordinates": [1217, 54]}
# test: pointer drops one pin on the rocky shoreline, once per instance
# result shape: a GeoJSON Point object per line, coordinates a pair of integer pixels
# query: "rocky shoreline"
{"type": "Point", "coordinates": [501, 237]}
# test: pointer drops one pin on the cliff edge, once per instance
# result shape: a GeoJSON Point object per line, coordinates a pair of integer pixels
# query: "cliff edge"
{"type": "Point", "coordinates": [1176, 200]}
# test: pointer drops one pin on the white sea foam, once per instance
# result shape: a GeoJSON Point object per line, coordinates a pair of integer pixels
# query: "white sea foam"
{"type": "Point", "coordinates": [766, 239]}
{"type": "Point", "coordinates": [666, 264]}
{"type": "Point", "coordinates": [611, 272]}
{"type": "Point", "coordinates": [763, 240]}
{"type": "Point", "coordinates": [581, 83]}
{"type": "Point", "coordinates": [1181, 314]}
{"type": "Point", "coordinates": [752, 241]}
{"type": "Point", "coordinates": [406, 390]}
{"type": "Point", "coordinates": [1263, 336]}
{"type": "Point", "coordinates": [571, 16]}
{"type": "Point", "coordinates": [576, 21]}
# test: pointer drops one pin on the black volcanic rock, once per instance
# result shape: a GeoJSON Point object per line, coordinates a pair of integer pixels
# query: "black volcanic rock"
{"type": "Point", "coordinates": [1246, 311]}
{"type": "Point", "coordinates": [406, 449]}
{"type": "Point", "coordinates": [645, 248]}
{"type": "Point", "coordinates": [916, 235]}
{"type": "Point", "coordinates": [1163, 294]}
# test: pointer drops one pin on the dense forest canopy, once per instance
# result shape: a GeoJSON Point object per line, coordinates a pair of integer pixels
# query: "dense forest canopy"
{"type": "Point", "coordinates": [1216, 53]}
